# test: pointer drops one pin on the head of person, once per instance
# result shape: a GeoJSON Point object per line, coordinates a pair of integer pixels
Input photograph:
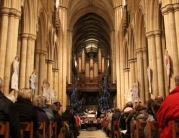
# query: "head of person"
{"type": "Point", "coordinates": [129, 104]}
{"type": "Point", "coordinates": [149, 103]}
{"type": "Point", "coordinates": [177, 80]}
{"type": "Point", "coordinates": [155, 106]}
{"type": "Point", "coordinates": [1, 85]}
{"type": "Point", "coordinates": [44, 100]}
{"type": "Point", "coordinates": [25, 94]}
{"type": "Point", "coordinates": [139, 106]}
{"type": "Point", "coordinates": [159, 98]}
{"type": "Point", "coordinates": [58, 105]}
{"type": "Point", "coordinates": [117, 109]}
{"type": "Point", "coordinates": [36, 101]}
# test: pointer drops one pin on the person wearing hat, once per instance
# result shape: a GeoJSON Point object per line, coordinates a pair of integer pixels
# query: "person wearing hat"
{"type": "Point", "coordinates": [57, 116]}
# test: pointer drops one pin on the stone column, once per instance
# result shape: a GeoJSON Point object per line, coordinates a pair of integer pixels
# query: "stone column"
{"type": "Point", "coordinates": [42, 70]}
{"type": "Point", "coordinates": [63, 34]}
{"type": "Point", "coordinates": [152, 62]}
{"type": "Point", "coordinates": [55, 80]}
{"type": "Point", "coordinates": [3, 38]}
{"type": "Point", "coordinates": [145, 77]}
{"type": "Point", "coordinates": [126, 81]}
{"type": "Point", "coordinates": [9, 50]}
{"type": "Point", "coordinates": [37, 68]}
{"type": "Point", "coordinates": [113, 54]}
{"type": "Point", "coordinates": [50, 73]}
{"type": "Point", "coordinates": [69, 63]}
{"type": "Point", "coordinates": [28, 70]}
{"type": "Point", "coordinates": [22, 74]}
{"type": "Point", "coordinates": [119, 54]}
{"type": "Point", "coordinates": [176, 12]}
{"type": "Point", "coordinates": [171, 40]}
{"type": "Point", "coordinates": [160, 63]}
{"type": "Point", "coordinates": [132, 71]}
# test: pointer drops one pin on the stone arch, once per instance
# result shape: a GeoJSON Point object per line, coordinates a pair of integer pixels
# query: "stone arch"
{"type": "Point", "coordinates": [40, 49]}
{"type": "Point", "coordinates": [139, 19]}
{"type": "Point", "coordinates": [42, 29]}
{"type": "Point", "coordinates": [29, 17]}
{"type": "Point", "coordinates": [74, 17]}
{"type": "Point", "coordinates": [152, 15]}
{"type": "Point", "coordinates": [50, 43]}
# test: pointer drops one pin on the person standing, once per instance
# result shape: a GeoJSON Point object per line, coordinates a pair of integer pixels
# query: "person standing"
{"type": "Point", "coordinates": [15, 75]}
{"type": "Point", "coordinates": [8, 113]}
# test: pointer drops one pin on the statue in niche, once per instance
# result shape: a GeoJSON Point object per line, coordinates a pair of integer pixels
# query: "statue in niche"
{"type": "Point", "coordinates": [167, 66]}
{"type": "Point", "coordinates": [149, 75]}
{"type": "Point", "coordinates": [135, 92]}
{"type": "Point", "coordinates": [32, 81]}
{"type": "Point", "coordinates": [47, 91]}
{"type": "Point", "coordinates": [53, 96]}
{"type": "Point", "coordinates": [128, 96]}
{"type": "Point", "coordinates": [15, 75]}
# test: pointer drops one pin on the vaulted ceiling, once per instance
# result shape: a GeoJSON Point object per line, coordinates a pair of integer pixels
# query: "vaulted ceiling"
{"type": "Point", "coordinates": [91, 19]}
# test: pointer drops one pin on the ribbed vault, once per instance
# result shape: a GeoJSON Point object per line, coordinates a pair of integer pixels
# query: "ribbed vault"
{"type": "Point", "coordinates": [88, 26]}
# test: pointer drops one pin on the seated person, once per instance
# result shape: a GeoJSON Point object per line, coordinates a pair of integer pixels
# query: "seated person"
{"type": "Point", "coordinates": [155, 105]}
{"type": "Point", "coordinates": [27, 112]}
{"type": "Point", "coordinates": [42, 116]}
{"type": "Point", "coordinates": [8, 113]}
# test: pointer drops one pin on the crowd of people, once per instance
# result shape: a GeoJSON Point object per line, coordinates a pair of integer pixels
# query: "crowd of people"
{"type": "Point", "coordinates": [27, 107]}
{"type": "Point", "coordinates": [161, 110]}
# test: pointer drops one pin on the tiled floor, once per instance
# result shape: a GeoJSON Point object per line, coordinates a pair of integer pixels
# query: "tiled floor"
{"type": "Point", "coordinates": [92, 134]}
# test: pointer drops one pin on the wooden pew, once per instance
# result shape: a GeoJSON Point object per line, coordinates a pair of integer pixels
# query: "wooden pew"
{"type": "Point", "coordinates": [175, 128]}
{"type": "Point", "coordinates": [115, 128]}
{"type": "Point", "coordinates": [151, 127]}
{"type": "Point", "coordinates": [27, 127]}
{"type": "Point", "coordinates": [4, 129]}
{"type": "Point", "coordinates": [42, 127]}
{"type": "Point", "coordinates": [52, 127]}
{"type": "Point", "coordinates": [140, 126]}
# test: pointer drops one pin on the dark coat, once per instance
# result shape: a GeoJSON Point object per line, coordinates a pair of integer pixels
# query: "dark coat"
{"type": "Point", "coordinates": [42, 117]}
{"type": "Point", "coordinates": [9, 114]}
{"type": "Point", "coordinates": [58, 119]}
{"type": "Point", "coordinates": [27, 113]}
{"type": "Point", "coordinates": [116, 116]}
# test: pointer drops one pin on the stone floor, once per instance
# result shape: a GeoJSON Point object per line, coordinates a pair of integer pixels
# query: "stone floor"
{"type": "Point", "coordinates": [92, 134]}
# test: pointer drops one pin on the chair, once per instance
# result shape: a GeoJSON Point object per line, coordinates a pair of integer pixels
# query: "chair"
{"type": "Point", "coordinates": [4, 129]}
{"type": "Point", "coordinates": [140, 126]}
{"type": "Point", "coordinates": [175, 128]}
{"type": "Point", "coordinates": [132, 131]}
{"type": "Point", "coordinates": [53, 126]}
{"type": "Point", "coordinates": [151, 127]}
{"type": "Point", "coordinates": [27, 127]}
{"type": "Point", "coordinates": [41, 126]}
{"type": "Point", "coordinates": [115, 129]}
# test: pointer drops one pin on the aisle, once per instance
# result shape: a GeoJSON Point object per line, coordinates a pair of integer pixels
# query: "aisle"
{"type": "Point", "coordinates": [92, 134]}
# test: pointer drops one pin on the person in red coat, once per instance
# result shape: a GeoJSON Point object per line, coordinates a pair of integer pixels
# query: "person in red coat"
{"type": "Point", "coordinates": [168, 111]}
